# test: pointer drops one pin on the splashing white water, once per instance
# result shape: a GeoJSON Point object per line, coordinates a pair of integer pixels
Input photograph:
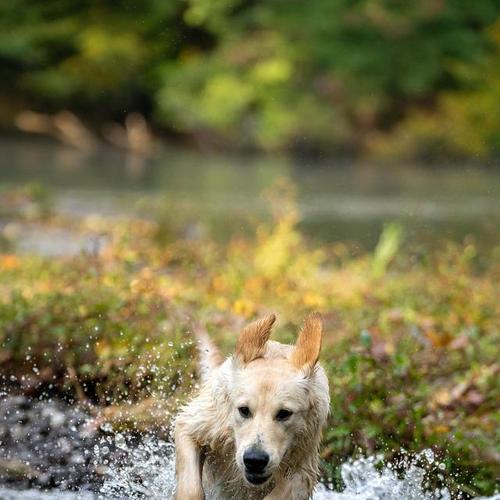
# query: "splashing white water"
{"type": "Point", "coordinates": [363, 481]}
{"type": "Point", "coordinates": [146, 470]}
{"type": "Point", "coordinates": [150, 474]}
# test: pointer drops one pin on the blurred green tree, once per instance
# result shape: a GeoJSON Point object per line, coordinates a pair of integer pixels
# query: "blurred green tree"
{"type": "Point", "coordinates": [318, 74]}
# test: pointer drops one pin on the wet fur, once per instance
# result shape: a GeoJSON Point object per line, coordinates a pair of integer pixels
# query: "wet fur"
{"type": "Point", "coordinates": [207, 432]}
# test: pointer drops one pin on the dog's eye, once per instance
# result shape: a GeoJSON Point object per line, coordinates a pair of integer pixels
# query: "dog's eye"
{"type": "Point", "coordinates": [244, 411]}
{"type": "Point", "coordinates": [283, 415]}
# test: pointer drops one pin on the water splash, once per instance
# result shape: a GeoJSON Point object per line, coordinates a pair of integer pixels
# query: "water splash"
{"type": "Point", "coordinates": [146, 470]}
{"type": "Point", "coordinates": [150, 474]}
{"type": "Point", "coordinates": [60, 448]}
{"type": "Point", "coordinates": [365, 481]}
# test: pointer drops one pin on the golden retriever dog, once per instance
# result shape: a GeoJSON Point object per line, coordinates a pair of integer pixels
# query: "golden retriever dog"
{"type": "Point", "coordinates": [254, 429]}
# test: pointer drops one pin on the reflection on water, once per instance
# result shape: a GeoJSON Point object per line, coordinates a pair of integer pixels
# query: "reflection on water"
{"type": "Point", "coordinates": [336, 202]}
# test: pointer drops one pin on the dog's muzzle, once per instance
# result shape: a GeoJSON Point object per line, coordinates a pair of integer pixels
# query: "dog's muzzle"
{"type": "Point", "coordinates": [256, 461]}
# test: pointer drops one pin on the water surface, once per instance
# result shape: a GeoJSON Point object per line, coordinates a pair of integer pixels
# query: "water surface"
{"type": "Point", "coordinates": [337, 200]}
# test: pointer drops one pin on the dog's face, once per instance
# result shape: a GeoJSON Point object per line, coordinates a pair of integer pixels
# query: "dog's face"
{"type": "Point", "coordinates": [270, 407]}
{"type": "Point", "coordinates": [271, 398]}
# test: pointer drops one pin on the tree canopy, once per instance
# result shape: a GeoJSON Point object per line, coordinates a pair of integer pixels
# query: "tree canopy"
{"type": "Point", "coordinates": [380, 77]}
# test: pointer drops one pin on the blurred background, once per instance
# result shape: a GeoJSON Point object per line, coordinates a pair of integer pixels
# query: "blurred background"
{"type": "Point", "coordinates": [373, 78]}
{"type": "Point", "coordinates": [209, 101]}
{"type": "Point", "coordinates": [163, 160]}
{"type": "Point", "coordinates": [377, 109]}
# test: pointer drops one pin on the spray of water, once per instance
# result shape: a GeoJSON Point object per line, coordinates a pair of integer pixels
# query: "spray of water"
{"type": "Point", "coordinates": [147, 471]}
{"type": "Point", "coordinates": [144, 468]}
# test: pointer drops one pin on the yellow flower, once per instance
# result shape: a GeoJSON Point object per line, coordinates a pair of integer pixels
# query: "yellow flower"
{"type": "Point", "coordinates": [313, 300]}
{"type": "Point", "coordinates": [221, 303]}
{"type": "Point", "coordinates": [243, 307]}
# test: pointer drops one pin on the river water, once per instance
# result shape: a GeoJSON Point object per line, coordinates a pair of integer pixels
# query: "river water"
{"type": "Point", "coordinates": [337, 201]}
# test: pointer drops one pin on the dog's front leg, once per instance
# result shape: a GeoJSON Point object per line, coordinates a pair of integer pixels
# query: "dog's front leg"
{"type": "Point", "coordinates": [295, 488]}
{"type": "Point", "coordinates": [188, 466]}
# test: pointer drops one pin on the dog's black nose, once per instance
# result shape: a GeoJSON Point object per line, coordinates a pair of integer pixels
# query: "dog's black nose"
{"type": "Point", "coordinates": [255, 460]}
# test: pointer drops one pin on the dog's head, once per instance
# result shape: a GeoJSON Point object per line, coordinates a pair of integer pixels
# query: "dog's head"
{"type": "Point", "coordinates": [278, 398]}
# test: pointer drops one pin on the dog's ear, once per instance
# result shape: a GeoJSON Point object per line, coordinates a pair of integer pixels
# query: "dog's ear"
{"type": "Point", "coordinates": [252, 340]}
{"type": "Point", "coordinates": [306, 352]}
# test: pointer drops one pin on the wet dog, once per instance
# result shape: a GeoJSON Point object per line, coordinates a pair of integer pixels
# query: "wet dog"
{"type": "Point", "coordinates": [254, 429]}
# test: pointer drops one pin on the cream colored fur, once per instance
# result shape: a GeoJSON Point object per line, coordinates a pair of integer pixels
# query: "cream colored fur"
{"type": "Point", "coordinates": [211, 435]}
